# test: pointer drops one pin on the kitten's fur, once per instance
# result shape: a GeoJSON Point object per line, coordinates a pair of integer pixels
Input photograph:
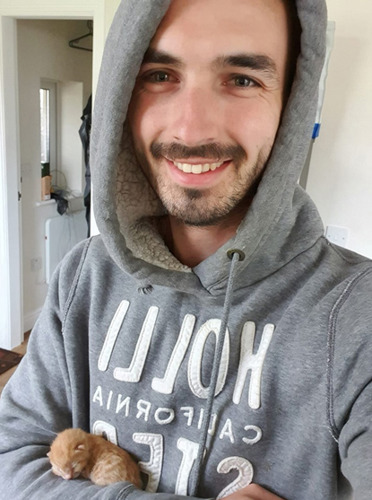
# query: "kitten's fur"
{"type": "Point", "coordinates": [75, 452]}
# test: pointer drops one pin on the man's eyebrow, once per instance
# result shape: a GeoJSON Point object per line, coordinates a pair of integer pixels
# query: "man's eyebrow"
{"type": "Point", "coordinates": [251, 61]}
{"type": "Point", "coordinates": [256, 62]}
{"type": "Point", "coordinates": [159, 57]}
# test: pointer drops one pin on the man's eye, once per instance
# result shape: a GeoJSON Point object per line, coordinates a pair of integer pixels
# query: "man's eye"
{"type": "Point", "coordinates": [243, 81]}
{"type": "Point", "coordinates": [157, 80]}
{"type": "Point", "coordinates": [158, 77]}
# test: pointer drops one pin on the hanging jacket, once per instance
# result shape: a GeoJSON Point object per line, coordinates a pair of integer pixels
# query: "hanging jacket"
{"type": "Point", "coordinates": [126, 343]}
{"type": "Point", "coordinates": [84, 133]}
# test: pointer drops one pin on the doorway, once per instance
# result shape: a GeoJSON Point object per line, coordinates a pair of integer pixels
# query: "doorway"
{"type": "Point", "coordinates": [54, 85]}
{"type": "Point", "coordinates": [11, 272]}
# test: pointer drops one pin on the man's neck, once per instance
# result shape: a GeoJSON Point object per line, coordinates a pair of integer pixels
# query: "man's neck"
{"type": "Point", "coordinates": [190, 244]}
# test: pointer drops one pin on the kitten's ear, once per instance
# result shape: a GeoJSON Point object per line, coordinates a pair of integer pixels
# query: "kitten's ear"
{"type": "Point", "coordinates": [80, 447]}
{"type": "Point", "coordinates": [48, 454]}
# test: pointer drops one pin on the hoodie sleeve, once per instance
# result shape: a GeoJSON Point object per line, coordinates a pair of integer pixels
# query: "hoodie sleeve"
{"type": "Point", "coordinates": [356, 446]}
{"type": "Point", "coordinates": [37, 403]}
{"type": "Point", "coordinates": [351, 383]}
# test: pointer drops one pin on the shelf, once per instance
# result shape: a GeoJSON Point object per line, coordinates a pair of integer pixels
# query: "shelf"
{"type": "Point", "coordinates": [45, 203]}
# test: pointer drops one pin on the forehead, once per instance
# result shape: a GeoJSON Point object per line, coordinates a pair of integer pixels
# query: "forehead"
{"type": "Point", "coordinates": [201, 28]}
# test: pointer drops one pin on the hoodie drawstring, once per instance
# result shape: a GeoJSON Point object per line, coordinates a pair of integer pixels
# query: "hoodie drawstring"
{"type": "Point", "coordinates": [235, 256]}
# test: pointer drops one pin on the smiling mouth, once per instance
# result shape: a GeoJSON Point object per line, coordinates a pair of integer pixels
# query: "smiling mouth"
{"type": "Point", "coordinates": [199, 168]}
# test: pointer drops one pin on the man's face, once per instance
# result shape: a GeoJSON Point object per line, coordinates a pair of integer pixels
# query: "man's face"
{"type": "Point", "coordinates": [207, 104]}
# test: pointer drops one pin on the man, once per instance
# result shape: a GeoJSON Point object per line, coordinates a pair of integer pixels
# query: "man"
{"type": "Point", "coordinates": [210, 330]}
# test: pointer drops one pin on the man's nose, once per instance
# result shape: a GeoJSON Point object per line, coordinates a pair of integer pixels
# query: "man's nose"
{"type": "Point", "coordinates": [196, 119]}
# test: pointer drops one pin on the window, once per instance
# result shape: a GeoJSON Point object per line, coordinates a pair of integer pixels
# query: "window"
{"type": "Point", "coordinates": [48, 143]}
{"type": "Point", "coordinates": [45, 125]}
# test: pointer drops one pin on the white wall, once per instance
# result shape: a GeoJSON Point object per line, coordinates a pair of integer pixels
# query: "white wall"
{"type": "Point", "coordinates": [43, 53]}
{"type": "Point", "coordinates": [340, 176]}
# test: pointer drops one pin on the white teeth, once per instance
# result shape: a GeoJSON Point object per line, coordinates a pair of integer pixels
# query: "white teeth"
{"type": "Point", "coordinates": [197, 169]}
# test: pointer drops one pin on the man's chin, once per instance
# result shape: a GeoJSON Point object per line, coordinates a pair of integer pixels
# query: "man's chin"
{"type": "Point", "coordinates": [195, 216]}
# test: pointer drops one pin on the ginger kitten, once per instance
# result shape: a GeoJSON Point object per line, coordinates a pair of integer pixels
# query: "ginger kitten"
{"type": "Point", "coordinates": [74, 452]}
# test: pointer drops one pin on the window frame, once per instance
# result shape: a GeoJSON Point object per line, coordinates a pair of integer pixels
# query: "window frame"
{"type": "Point", "coordinates": [51, 86]}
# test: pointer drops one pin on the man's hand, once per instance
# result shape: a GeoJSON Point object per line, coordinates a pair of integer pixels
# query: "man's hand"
{"type": "Point", "coordinates": [252, 492]}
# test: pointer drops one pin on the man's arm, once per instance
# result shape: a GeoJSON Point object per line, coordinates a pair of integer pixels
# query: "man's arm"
{"type": "Point", "coordinates": [39, 401]}
{"type": "Point", "coordinates": [350, 390]}
{"type": "Point", "coordinates": [253, 492]}
{"type": "Point", "coordinates": [355, 444]}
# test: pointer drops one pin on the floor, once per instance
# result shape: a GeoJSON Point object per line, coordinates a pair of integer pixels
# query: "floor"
{"type": "Point", "coordinates": [21, 349]}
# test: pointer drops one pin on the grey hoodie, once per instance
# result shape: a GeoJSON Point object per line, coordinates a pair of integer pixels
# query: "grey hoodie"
{"type": "Point", "coordinates": [126, 343]}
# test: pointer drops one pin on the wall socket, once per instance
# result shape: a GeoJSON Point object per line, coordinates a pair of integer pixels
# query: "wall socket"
{"type": "Point", "coordinates": [36, 264]}
{"type": "Point", "coordinates": [337, 235]}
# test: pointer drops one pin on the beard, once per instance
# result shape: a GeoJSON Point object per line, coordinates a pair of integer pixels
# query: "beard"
{"type": "Point", "coordinates": [209, 206]}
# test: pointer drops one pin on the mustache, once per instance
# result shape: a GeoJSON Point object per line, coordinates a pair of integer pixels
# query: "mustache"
{"type": "Point", "coordinates": [212, 151]}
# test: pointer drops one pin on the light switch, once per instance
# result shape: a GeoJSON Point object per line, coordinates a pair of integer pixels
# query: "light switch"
{"type": "Point", "coordinates": [338, 235]}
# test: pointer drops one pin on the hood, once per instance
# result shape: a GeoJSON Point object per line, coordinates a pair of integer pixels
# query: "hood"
{"type": "Point", "coordinates": [281, 221]}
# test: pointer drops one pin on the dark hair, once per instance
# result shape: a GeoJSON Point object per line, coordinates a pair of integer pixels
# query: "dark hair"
{"type": "Point", "coordinates": [294, 43]}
